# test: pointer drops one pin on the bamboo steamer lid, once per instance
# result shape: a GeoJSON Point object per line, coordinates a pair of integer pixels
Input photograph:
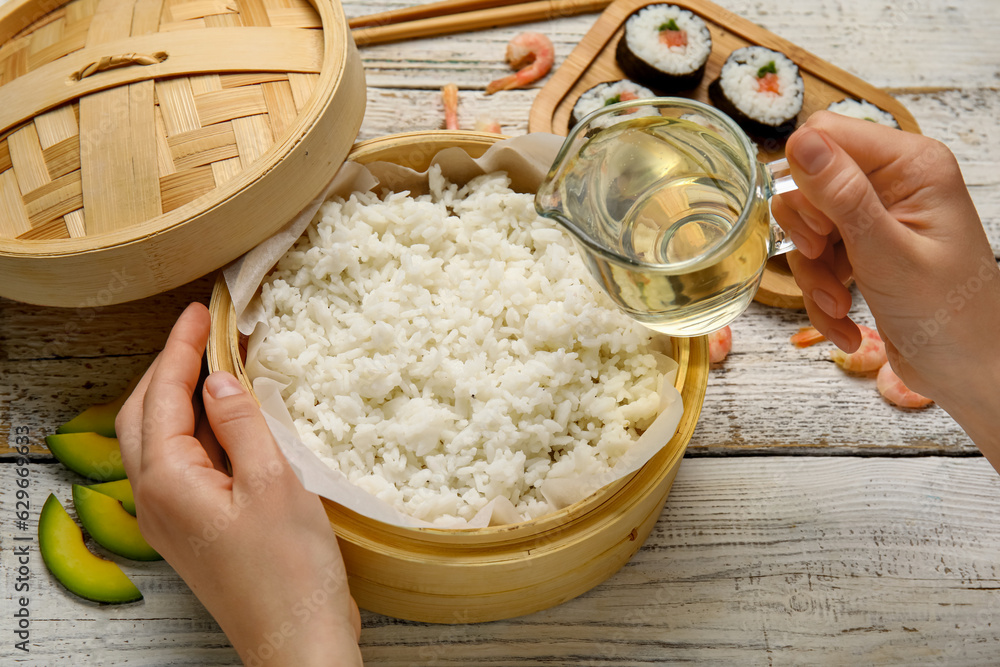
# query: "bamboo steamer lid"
{"type": "Point", "coordinates": [485, 574]}
{"type": "Point", "coordinates": [144, 143]}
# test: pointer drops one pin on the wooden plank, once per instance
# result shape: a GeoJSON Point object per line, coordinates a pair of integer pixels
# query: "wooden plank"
{"type": "Point", "coordinates": [745, 566]}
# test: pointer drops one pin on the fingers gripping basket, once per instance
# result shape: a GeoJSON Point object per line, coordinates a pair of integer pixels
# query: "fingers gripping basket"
{"type": "Point", "coordinates": [144, 143]}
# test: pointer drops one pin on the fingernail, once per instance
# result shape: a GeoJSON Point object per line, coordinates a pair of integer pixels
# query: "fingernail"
{"type": "Point", "coordinates": [838, 339]}
{"type": "Point", "coordinates": [804, 245]}
{"type": "Point", "coordinates": [221, 384]}
{"type": "Point", "coordinates": [812, 152]}
{"type": "Point", "coordinates": [826, 302]}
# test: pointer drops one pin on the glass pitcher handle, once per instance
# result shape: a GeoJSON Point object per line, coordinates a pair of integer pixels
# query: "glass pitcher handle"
{"type": "Point", "coordinates": [779, 181]}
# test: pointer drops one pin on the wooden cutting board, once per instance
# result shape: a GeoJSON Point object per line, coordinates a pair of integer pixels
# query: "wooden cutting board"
{"type": "Point", "coordinates": [593, 62]}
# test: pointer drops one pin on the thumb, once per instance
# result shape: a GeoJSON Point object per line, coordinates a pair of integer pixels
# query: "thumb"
{"type": "Point", "coordinates": [240, 428]}
{"type": "Point", "coordinates": [834, 183]}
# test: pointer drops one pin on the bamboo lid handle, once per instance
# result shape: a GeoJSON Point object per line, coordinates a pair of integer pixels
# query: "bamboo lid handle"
{"type": "Point", "coordinates": [114, 62]}
{"type": "Point", "coordinates": [192, 52]}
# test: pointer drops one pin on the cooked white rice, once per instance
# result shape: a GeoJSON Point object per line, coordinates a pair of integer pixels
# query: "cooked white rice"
{"type": "Point", "coordinates": [738, 80]}
{"type": "Point", "coordinates": [604, 94]}
{"type": "Point", "coordinates": [863, 110]}
{"type": "Point", "coordinates": [642, 32]}
{"type": "Point", "coordinates": [448, 349]}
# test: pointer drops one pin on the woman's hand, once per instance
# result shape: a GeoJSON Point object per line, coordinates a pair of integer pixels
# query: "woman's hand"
{"type": "Point", "coordinates": [254, 546]}
{"type": "Point", "coordinates": [891, 209]}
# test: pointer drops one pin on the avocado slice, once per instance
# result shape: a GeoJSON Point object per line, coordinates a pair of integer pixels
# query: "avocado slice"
{"type": "Point", "coordinates": [61, 542]}
{"type": "Point", "coordinates": [100, 418]}
{"type": "Point", "coordinates": [90, 454]}
{"type": "Point", "coordinates": [120, 490]}
{"type": "Point", "coordinates": [110, 525]}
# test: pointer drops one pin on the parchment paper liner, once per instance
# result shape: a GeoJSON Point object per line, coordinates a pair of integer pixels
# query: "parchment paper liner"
{"type": "Point", "coordinates": [526, 159]}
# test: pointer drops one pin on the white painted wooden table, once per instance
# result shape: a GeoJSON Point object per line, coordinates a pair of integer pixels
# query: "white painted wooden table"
{"type": "Point", "coordinates": [810, 524]}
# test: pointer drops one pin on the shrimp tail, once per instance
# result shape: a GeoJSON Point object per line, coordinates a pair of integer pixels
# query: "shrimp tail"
{"type": "Point", "coordinates": [449, 98]}
{"type": "Point", "coordinates": [503, 83]}
{"type": "Point", "coordinates": [807, 336]}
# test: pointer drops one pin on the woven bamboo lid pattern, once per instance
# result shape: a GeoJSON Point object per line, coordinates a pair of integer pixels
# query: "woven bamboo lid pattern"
{"type": "Point", "coordinates": [141, 136]}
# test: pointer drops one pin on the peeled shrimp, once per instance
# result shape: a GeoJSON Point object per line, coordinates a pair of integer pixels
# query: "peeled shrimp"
{"type": "Point", "coordinates": [532, 55]}
{"type": "Point", "coordinates": [869, 357]}
{"type": "Point", "coordinates": [449, 97]}
{"type": "Point", "coordinates": [719, 344]}
{"type": "Point", "coordinates": [897, 393]}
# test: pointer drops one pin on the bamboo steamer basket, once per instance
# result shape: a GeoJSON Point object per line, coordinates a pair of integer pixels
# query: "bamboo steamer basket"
{"type": "Point", "coordinates": [474, 575]}
{"type": "Point", "coordinates": [144, 143]}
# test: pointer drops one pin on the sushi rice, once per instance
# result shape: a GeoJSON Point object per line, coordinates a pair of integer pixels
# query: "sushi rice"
{"type": "Point", "coordinates": [864, 110]}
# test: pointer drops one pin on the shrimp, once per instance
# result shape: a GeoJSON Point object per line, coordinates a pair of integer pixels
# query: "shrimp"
{"type": "Point", "coordinates": [449, 97]}
{"type": "Point", "coordinates": [719, 344]}
{"type": "Point", "coordinates": [807, 336]}
{"type": "Point", "coordinates": [869, 357]}
{"type": "Point", "coordinates": [532, 55]}
{"type": "Point", "coordinates": [897, 393]}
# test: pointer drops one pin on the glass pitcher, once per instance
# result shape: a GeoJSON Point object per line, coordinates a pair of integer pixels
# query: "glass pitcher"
{"type": "Point", "coordinates": [669, 206]}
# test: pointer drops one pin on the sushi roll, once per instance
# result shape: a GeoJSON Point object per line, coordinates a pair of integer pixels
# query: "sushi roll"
{"type": "Point", "coordinates": [612, 92]}
{"type": "Point", "coordinates": [664, 47]}
{"type": "Point", "coordinates": [864, 110]}
{"type": "Point", "coordinates": [761, 90]}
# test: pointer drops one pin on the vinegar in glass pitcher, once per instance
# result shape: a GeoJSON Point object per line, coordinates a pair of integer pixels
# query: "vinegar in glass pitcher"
{"type": "Point", "coordinates": [666, 195]}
